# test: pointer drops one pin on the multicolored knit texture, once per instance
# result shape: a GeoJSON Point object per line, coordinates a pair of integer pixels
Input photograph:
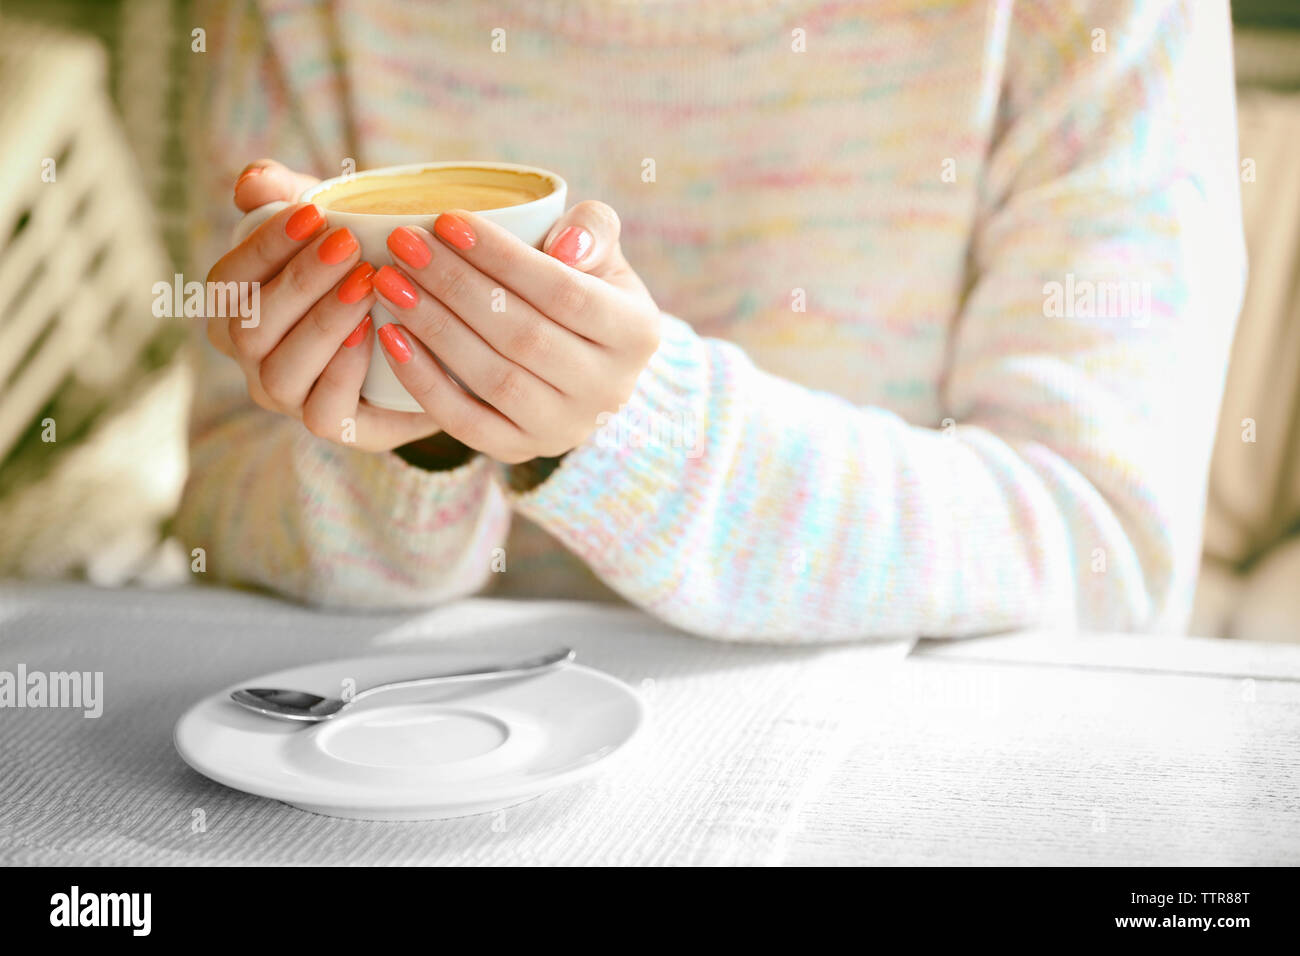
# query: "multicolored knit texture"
{"type": "Point", "coordinates": [949, 293]}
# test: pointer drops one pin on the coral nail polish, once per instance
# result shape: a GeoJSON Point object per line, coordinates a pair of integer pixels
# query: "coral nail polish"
{"type": "Point", "coordinates": [338, 245]}
{"type": "Point", "coordinates": [357, 285]}
{"type": "Point", "coordinates": [454, 230]}
{"type": "Point", "coordinates": [395, 343]}
{"type": "Point", "coordinates": [409, 247]}
{"type": "Point", "coordinates": [248, 174]}
{"type": "Point", "coordinates": [303, 223]}
{"type": "Point", "coordinates": [392, 285]}
{"type": "Point", "coordinates": [571, 245]}
{"type": "Point", "coordinates": [358, 334]}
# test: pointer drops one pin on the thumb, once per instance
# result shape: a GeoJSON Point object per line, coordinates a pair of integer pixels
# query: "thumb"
{"type": "Point", "coordinates": [586, 238]}
{"type": "Point", "coordinates": [267, 181]}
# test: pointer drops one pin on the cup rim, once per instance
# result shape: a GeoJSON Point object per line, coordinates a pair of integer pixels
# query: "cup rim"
{"type": "Point", "coordinates": [557, 184]}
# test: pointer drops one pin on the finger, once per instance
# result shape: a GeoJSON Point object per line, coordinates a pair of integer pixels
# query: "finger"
{"type": "Point", "coordinates": [334, 409]}
{"type": "Point", "coordinates": [259, 257]}
{"type": "Point", "coordinates": [334, 399]}
{"type": "Point", "coordinates": [579, 302]}
{"type": "Point", "coordinates": [270, 246]}
{"type": "Point", "coordinates": [464, 418]}
{"type": "Point", "coordinates": [383, 429]}
{"type": "Point", "coordinates": [337, 320]}
{"type": "Point", "coordinates": [586, 238]}
{"type": "Point", "coordinates": [517, 393]}
{"type": "Point", "coordinates": [291, 294]}
{"type": "Point", "coordinates": [506, 322]}
{"type": "Point", "coordinates": [267, 181]}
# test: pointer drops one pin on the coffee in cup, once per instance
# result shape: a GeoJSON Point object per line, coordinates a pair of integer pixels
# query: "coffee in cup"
{"type": "Point", "coordinates": [431, 191]}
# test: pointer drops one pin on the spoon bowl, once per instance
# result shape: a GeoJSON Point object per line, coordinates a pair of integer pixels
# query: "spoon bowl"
{"type": "Point", "coordinates": [287, 704]}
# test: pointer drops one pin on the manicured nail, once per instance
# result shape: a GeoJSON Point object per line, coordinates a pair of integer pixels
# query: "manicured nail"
{"type": "Point", "coordinates": [451, 228]}
{"type": "Point", "coordinates": [338, 245]}
{"type": "Point", "coordinates": [357, 285]}
{"type": "Point", "coordinates": [303, 223]}
{"type": "Point", "coordinates": [248, 174]}
{"type": "Point", "coordinates": [395, 343]}
{"type": "Point", "coordinates": [392, 285]}
{"type": "Point", "coordinates": [571, 245]}
{"type": "Point", "coordinates": [358, 334]}
{"type": "Point", "coordinates": [409, 247]}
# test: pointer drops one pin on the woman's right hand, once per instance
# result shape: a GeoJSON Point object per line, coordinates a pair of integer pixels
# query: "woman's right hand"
{"type": "Point", "coordinates": [307, 352]}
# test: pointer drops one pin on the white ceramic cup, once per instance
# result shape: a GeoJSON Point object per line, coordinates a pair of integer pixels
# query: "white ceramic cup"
{"type": "Point", "coordinates": [530, 221]}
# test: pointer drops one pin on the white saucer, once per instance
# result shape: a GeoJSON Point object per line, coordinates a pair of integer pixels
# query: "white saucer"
{"type": "Point", "coordinates": [414, 755]}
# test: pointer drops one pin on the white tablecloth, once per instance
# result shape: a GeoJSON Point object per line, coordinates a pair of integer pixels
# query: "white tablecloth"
{"type": "Point", "coordinates": [1044, 749]}
{"type": "Point", "coordinates": [738, 738]}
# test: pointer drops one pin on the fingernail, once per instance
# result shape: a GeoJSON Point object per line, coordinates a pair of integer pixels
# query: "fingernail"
{"type": "Point", "coordinates": [357, 285]}
{"type": "Point", "coordinates": [248, 174]}
{"type": "Point", "coordinates": [451, 228]}
{"type": "Point", "coordinates": [338, 245]}
{"type": "Point", "coordinates": [409, 247]}
{"type": "Point", "coordinates": [358, 334]}
{"type": "Point", "coordinates": [303, 223]}
{"type": "Point", "coordinates": [395, 343]}
{"type": "Point", "coordinates": [571, 245]}
{"type": "Point", "coordinates": [392, 285]}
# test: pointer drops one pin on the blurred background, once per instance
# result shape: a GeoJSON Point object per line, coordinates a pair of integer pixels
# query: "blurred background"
{"type": "Point", "coordinates": [94, 389]}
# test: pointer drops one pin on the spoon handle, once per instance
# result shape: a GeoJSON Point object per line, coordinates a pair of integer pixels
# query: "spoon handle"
{"type": "Point", "coordinates": [518, 669]}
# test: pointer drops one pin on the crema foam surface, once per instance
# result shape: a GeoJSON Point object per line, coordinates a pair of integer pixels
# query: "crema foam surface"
{"type": "Point", "coordinates": [435, 190]}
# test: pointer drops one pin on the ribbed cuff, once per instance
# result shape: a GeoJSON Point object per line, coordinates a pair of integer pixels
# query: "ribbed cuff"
{"type": "Point", "coordinates": [410, 501]}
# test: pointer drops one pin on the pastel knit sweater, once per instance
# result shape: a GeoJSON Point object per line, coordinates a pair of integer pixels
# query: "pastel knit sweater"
{"type": "Point", "coordinates": [949, 288]}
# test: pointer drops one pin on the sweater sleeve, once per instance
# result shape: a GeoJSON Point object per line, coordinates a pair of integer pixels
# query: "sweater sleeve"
{"type": "Point", "coordinates": [1085, 370]}
{"type": "Point", "coordinates": [274, 506]}
{"type": "Point", "coordinates": [270, 504]}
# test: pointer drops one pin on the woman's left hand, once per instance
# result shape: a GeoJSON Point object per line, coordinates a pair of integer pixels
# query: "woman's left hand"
{"type": "Point", "coordinates": [548, 339]}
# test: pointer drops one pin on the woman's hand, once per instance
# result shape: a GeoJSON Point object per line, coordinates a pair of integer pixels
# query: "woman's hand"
{"type": "Point", "coordinates": [307, 353]}
{"type": "Point", "coordinates": [549, 340]}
